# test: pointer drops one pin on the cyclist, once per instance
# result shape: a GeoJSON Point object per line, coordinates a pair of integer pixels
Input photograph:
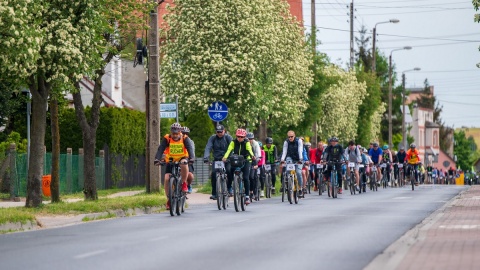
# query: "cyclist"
{"type": "Point", "coordinates": [218, 145]}
{"type": "Point", "coordinates": [258, 155]}
{"type": "Point", "coordinates": [387, 159]}
{"type": "Point", "coordinates": [315, 158]}
{"type": "Point", "coordinates": [376, 154]}
{"type": "Point", "coordinates": [334, 153]}
{"type": "Point", "coordinates": [401, 154]}
{"type": "Point", "coordinates": [271, 156]}
{"type": "Point", "coordinates": [412, 157]}
{"type": "Point", "coordinates": [176, 148]}
{"type": "Point", "coordinates": [352, 154]}
{"type": "Point", "coordinates": [261, 167]}
{"type": "Point", "coordinates": [306, 150]}
{"type": "Point", "coordinates": [293, 151]}
{"type": "Point", "coordinates": [241, 146]}
{"type": "Point", "coordinates": [191, 169]}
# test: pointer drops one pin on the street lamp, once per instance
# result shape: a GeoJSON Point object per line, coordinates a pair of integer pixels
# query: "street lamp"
{"type": "Point", "coordinates": [374, 39]}
{"type": "Point", "coordinates": [404, 132]}
{"type": "Point", "coordinates": [390, 93]}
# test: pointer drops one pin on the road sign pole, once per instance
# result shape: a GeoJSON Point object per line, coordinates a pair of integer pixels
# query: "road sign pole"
{"type": "Point", "coordinates": [176, 102]}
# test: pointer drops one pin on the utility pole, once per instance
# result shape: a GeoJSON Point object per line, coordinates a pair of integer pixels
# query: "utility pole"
{"type": "Point", "coordinates": [314, 52]}
{"type": "Point", "coordinates": [404, 133]}
{"type": "Point", "coordinates": [153, 94]}
{"type": "Point", "coordinates": [351, 35]}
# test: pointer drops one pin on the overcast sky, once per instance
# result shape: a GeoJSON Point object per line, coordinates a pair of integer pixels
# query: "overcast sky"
{"type": "Point", "coordinates": [444, 37]}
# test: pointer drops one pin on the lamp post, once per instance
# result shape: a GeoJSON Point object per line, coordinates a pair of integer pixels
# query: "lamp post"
{"type": "Point", "coordinates": [404, 132]}
{"type": "Point", "coordinates": [390, 93]}
{"type": "Point", "coordinates": [374, 39]}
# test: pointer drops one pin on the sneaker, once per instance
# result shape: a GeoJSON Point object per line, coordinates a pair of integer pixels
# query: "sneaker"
{"type": "Point", "coordinates": [184, 187]}
{"type": "Point", "coordinates": [213, 197]}
{"type": "Point", "coordinates": [262, 194]}
{"type": "Point", "coordinates": [300, 193]}
{"type": "Point", "coordinates": [230, 192]}
{"type": "Point", "coordinates": [247, 200]}
{"type": "Point", "coordinates": [339, 190]}
{"type": "Point", "coordinates": [189, 189]}
{"type": "Point", "coordinates": [168, 205]}
{"type": "Point", "coordinates": [273, 190]}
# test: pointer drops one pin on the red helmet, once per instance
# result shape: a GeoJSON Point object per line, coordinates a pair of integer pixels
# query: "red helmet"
{"type": "Point", "coordinates": [241, 132]}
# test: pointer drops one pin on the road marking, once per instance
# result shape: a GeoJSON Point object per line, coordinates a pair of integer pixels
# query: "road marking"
{"type": "Point", "coordinates": [401, 198]}
{"type": "Point", "coordinates": [158, 238]}
{"type": "Point", "coordinates": [463, 227]}
{"type": "Point", "coordinates": [90, 254]}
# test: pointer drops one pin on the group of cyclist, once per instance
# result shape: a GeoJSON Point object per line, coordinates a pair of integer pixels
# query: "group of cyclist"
{"type": "Point", "coordinates": [178, 147]}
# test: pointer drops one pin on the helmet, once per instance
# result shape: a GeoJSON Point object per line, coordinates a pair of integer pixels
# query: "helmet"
{"type": "Point", "coordinates": [385, 147]}
{"type": "Point", "coordinates": [268, 140]}
{"type": "Point", "coordinates": [186, 130]}
{"type": "Point", "coordinates": [375, 144]}
{"type": "Point", "coordinates": [412, 145]}
{"type": "Point", "coordinates": [241, 132]}
{"type": "Point", "coordinates": [250, 135]}
{"type": "Point", "coordinates": [260, 144]}
{"type": "Point", "coordinates": [308, 144]}
{"type": "Point", "coordinates": [402, 147]}
{"type": "Point", "coordinates": [176, 127]}
{"type": "Point", "coordinates": [334, 139]}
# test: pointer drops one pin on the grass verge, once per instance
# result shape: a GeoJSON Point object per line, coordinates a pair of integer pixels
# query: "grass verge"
{"type": "Point", "coordinates": [23, 214]}
{"type": "Point", "coordinates": [205, 188]}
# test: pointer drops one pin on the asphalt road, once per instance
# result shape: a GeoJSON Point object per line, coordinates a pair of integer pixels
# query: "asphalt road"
{"type": "Point", "coordinates": [318, 233]}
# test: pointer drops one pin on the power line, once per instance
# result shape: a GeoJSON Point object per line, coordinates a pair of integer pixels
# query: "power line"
{"type": "Point", "coordinates": [460, 103]}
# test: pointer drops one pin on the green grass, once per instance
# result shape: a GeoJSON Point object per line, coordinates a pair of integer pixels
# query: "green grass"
{"type": "Point", "coordinates": [101, 193]}
{"type": "Point", "coordinates": [106, 216]}
{"type": "Point", "coordinates": [205, 188]}
{"type": "Point", "coordinates": [23, 214]}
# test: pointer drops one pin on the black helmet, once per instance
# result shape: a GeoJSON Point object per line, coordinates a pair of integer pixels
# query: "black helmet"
{"type": "Point", "coordinates": [412, 145]}
{"type": "Point", "coordinates": [250, 135]}
{"type": "Point", "coordinates": [375, 144]}
{"type": "Point", "coordinates": [268, 140]}
{"type": "Point", "coordinates": [186, 130]}
{"type": "Point", "coordinates": [334, 139]}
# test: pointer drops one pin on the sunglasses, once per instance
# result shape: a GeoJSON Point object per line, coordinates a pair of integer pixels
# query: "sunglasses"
{"type": "Point", "coordinates": [176, 134]}
{"type": "Point", "coordinates": [241, 137]}
{"type": "Point", "coordinates": [291, 137]}
{"type": "Point", "coordinates": [219, 131]}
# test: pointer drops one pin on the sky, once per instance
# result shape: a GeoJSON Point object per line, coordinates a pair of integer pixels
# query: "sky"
{"type": "Point", "coordinates": [444, 39]}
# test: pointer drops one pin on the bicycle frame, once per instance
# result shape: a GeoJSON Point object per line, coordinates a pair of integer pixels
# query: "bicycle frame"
{"type": "Point", "coordinates": [222, 192]}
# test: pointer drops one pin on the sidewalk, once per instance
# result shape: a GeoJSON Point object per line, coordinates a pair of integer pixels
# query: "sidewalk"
{"type": "Point", "coordinates": [53, 221]}
{"type": "Point", "coordinates": [447, 239]}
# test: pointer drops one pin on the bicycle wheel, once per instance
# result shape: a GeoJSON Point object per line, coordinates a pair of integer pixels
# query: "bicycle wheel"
{"type": "Point", "coordinates": [295, 193]}
{"type": "Point", "coordinates": [171, 195]}
{"type": "Point", "coordinates": [333, 188]}
{"type": "Point", "coordinates": [242, 195]}
{"type": "Point", "coordinates": [258, 189]}
{"type": "Point", "coordinates": [236, 193]}
{"type": "Point", "coordinates": [284, 187]}
{"type": "Point", "coordinates": [268, 186]}
{"type": "Point", "coordinates": [219, 192]}
{"type": "Point", "coordinates": [178, 196]}
{"type": "Point", "coordinates": [412, 180]}
{"type": "Point", "coordinates": [290, 189]}
{"type": "Point", "coordinates": [225, 192]}
{"type": "Point", "coordinates": [321, 186]}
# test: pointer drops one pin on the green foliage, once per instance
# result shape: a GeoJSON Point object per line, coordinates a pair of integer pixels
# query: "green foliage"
{"type": "Point", "coordinates": [463, 150]}
{"type": "Point", "coordinates": [15, 138]}
{"type": "Point", "coordinates": [368, 107]}
{"type": "Point", "coordinates": [201, 128]}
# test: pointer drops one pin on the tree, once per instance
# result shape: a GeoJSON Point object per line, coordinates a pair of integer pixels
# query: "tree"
{"type": "Point", "coordinates": [463, 150]}
{"type": "Point", "coordinates": [340, 104]}
{"type": "Point", "coordinates": [368, 108]}
{"type": "Point", "coordinates": [114, 31]}
{"type": "Point", "coordinates": [44, 45]}
{"type": "Point", "coordinates": [364, 54]}
{"type": "Point", "coordinates": [249, 54]}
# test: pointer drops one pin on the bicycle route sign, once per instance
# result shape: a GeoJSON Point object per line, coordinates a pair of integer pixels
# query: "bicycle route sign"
{"type": "Point", "coordinates": [218, 111]}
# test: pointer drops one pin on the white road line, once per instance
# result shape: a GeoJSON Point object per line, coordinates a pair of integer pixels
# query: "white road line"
{"type": "Point", "coordinates": [90, 254]}
{"type": "Point", "coordinates": [401, 198]}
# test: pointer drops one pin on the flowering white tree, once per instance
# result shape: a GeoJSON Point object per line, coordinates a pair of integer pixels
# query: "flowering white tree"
{"type": "Point", "coordinates": [340, 104]}
{"type": "Point", "coordinates": [376, 122]}
{"type": "Point", "coordinates": [249, 54]}
{"type": "Point", "coordinates": [43, 46]}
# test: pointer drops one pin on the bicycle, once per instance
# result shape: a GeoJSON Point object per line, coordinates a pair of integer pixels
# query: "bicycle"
{"type": "Point", "coordinates": [384, 180]}
{"type": "Point", "coordinates": [268, 180]}
{"type": "Point", "coordinates": [321, 183]}
{"type": "Point", "coordinates": [351, 178]}
{"type": "Point", "coordinates": [412, 176]}
{"type": "Point", "coordinates": [373, 179]}
{"type": "Point", "coordinates": [333, 183]}
{"type": "Point", "coordinates": [401, 175]}
{"type": "Point", "coordinates": [222, 192]}
{"type": "Point", "coordinates": [257, 185]}
{"type": "Point", "coordinates": [237, 162]}
{"type": "Point", "coordinates": [290, 184]}
{"type": "Point", "coordinates": [363, 181]}
{"type": "Point", "coordinates": [175, 194]}
{"type": "Point", "coordinates": [310, 180]}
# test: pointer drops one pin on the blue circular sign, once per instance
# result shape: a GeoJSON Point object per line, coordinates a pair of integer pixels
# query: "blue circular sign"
{"type": "Point", "coordinates": [218, 111]}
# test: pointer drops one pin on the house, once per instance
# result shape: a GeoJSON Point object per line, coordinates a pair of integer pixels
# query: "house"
{"type": "Point", "coordinates": [426, 134]}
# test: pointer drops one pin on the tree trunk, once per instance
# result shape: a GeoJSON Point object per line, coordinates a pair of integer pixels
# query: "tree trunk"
{"type": "Point", "coordinates": [262, 131]}
{"type": "Point", "coordinates": [89, 131]}
{"type": "Point", "coordinates": [55, 183]}
{"type": "Point", "coordinates": [40, 91]}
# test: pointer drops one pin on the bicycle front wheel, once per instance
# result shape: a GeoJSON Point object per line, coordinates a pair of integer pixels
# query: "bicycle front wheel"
{"type": "Point", "coordinates": [290, 189]}
{"type": "Point", "coordinates": [219, 192]}
{"type": "Point", "coordinates": [268, 186]}
{"type": "Point", "coordinates": [171, 195]}
{"type": "Point", "coordinates": [236, 193]}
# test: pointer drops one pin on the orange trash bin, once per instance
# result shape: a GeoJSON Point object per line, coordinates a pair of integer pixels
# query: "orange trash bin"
{"type": "Point", "coordinates": [46, 179]}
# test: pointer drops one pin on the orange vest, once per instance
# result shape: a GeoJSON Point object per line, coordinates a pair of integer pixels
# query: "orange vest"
{"type": "Point", "coordinates": [175, 149]}
{"type": "Point", "coordinates": [412, 157]}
